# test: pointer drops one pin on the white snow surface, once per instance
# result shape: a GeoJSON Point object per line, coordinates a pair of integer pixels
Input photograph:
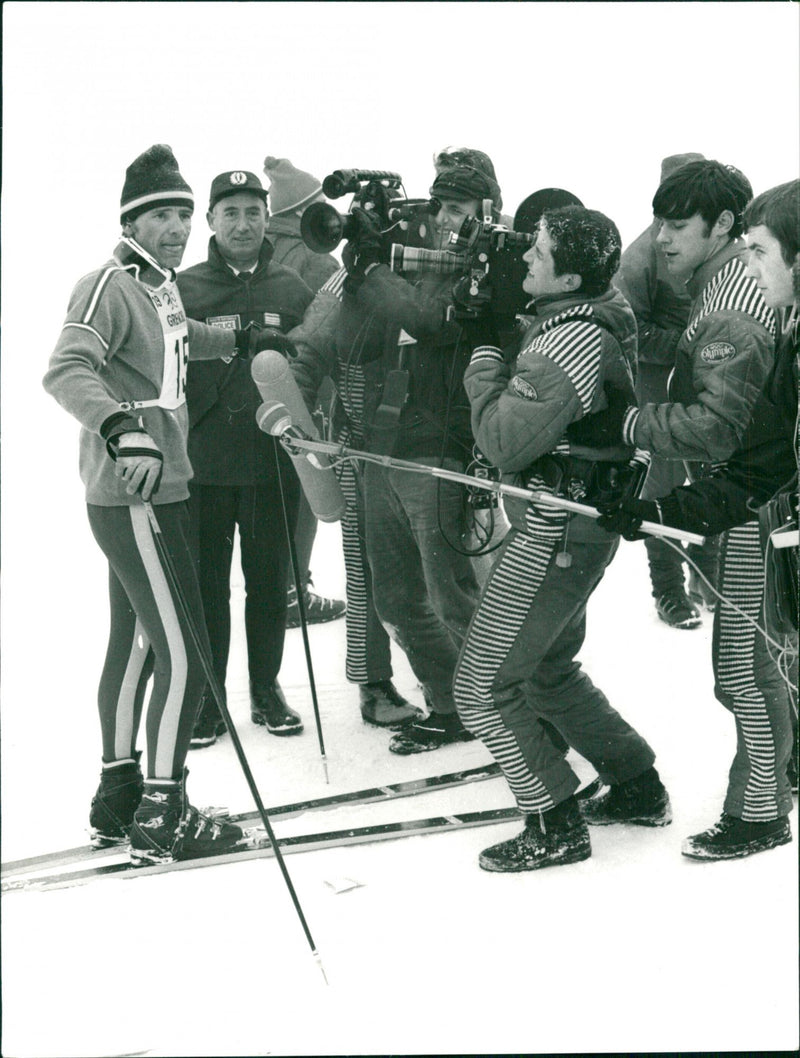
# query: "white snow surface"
{"type": "Point", "coordinates": [636, 949]}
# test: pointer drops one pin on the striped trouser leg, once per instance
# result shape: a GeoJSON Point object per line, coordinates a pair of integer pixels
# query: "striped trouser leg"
{"type": "Point", "coordinates": [506, 599]}
{"type": "Point", "coordinates": [126, 671]}
{"type": "Point", "coordinates": [749, 684]}
{"type": "Point", "coordinates": [126, 537]}
{"type": "Point", "coordinates": [368, 657]}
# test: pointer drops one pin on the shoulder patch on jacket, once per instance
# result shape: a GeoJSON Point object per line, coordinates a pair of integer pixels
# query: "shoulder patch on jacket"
{"type": "Point", "coordinates": [717, 352]}
{"type": "Point", "coordinates": [523, 388]}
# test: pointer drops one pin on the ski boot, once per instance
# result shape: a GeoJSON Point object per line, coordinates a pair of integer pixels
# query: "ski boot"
{"type": "Point", "coordinates": [115, 802]}
{"type": "Point", "coordinates": [167, 828]}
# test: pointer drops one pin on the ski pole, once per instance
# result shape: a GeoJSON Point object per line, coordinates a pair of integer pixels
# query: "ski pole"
{"type": "Point", "coordinates": [545, 498]}
{"type": "Point", "coordinates": [301, 609]}
{"type": "Point", "coordinates": [211, 678]}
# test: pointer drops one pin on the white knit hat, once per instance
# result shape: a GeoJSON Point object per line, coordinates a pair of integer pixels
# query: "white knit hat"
{"type": "Point", "coordinates": [289, 188]}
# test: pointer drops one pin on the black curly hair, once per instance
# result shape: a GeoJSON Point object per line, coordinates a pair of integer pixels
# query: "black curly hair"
{"type": "Point", "coordinates": [584, 242]}
{"type": "Point", "coordinates": [705, 187]}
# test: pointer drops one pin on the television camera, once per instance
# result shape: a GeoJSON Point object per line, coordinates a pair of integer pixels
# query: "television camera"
{"type": "Point", "coordinates": [376, 191]}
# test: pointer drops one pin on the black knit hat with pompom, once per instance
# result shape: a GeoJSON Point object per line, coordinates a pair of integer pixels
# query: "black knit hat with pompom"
{"type": "Point", "coordinates": [153, 180]}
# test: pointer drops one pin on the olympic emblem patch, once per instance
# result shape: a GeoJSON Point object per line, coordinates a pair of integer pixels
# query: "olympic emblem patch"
{"type": "Point", "coordinates": [523, 389]}
{"type": "Point", "coordinates": [238, 178]}
{"type": "Point", "coordinates": [717, 352]}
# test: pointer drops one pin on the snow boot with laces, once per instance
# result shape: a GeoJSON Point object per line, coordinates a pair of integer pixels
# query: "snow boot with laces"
{"type": "Point", "coordinates": [549, 839]}
{"type": "Point", "coordinates": [732, 838]}
{"type": "Point", "coordinates": [642, 801]}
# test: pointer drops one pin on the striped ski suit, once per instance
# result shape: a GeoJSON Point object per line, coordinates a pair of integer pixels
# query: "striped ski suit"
{"type": "Point", "coordinates": [518, 664]}
{"type": "Point", "coordinates": [123, 348]}
{"type": "Point", "coordinates": [724, 359]}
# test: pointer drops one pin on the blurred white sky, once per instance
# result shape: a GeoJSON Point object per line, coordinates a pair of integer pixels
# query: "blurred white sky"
{"type": "Point", "coordinates": [587, 96]}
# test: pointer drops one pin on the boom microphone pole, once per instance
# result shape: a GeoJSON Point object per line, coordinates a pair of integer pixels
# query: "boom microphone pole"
{"type": "Point", "coordinates": [177, 591]}
{"type": "Point", "coordinates": [294, 439]}
{"type": "Point", "coordinates": [301, 609]}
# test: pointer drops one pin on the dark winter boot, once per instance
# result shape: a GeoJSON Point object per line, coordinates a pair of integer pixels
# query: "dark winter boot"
{"type": "Point", "coordinates": [732, 838]}
{"type": "Point", "coordinates": [430, 732]}
{"type": "Point", "coordinates": [115, 802]}
{"type": "Point", "coordinates": [383, 706]}
{"type": "Point", "coordinates": [166, 827]}
{"type": "Point", "coordinates": [677, 611]}
{"type": "Point", "coordinates": [269, 708]}
{"type": "Point", "coordinates": [548, 840]}
{"type": "Point", "coordinates": [642, 801]}
{"type": "Point", "coordinates": [317, 609]}
{"type": "Point", "coordinates": [209, 724]}
{"type": "Point", "coordinates": [700, 594]}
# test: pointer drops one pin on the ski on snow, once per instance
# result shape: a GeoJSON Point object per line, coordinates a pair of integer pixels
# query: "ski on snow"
{"type": "Point", "coordinates": [388, 792]}
{"type": "Point", "coordinates": [258, 845]}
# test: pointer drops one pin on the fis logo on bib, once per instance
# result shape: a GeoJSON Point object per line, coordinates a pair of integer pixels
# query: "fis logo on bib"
{"type": "Point", "coordinates": [717, 352]}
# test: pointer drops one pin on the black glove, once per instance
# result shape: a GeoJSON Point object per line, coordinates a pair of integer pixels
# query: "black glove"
{"type": "Point", "coordinates": [627, 516]}
{"type": "Point", "coordinates": [603, 429]}
{"type": "Point", "coordinates": [477, 332]}
{"type": "Point", "coordinates": [365, 243]}
{"type": "Point", "coordinates": [254, 339]}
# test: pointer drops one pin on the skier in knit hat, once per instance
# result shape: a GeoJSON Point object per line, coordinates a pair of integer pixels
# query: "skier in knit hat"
{"type": "Point", "coordinates": [291, 191]}
{"type": "Point", "coordinates": [119, 367]}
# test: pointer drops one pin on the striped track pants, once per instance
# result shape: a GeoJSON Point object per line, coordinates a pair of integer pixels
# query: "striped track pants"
{"type": "Point", "coordinates": [148, 633]}
{"type": "Point", "coordinates": [369, 653]}
{"type": "Point", "coordinates": [749, 684]}
{"type": "Point", "coordinates": [495, 626]}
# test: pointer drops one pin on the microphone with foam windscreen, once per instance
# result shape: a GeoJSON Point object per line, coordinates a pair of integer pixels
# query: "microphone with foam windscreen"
{"type": "Point", "coordinates": [285, 410]}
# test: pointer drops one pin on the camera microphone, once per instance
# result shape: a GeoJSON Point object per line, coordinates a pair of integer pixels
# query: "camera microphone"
{"type": "Point", "coordinates": [273, 418]}
{"type": "Point", "coordinates": [283, 411]}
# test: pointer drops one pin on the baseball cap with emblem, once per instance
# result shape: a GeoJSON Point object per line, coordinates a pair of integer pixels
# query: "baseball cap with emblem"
{"type": "Point", "coordinates": [231, 183]}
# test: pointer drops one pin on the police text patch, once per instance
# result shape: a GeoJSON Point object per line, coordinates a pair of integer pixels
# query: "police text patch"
{"type": "Point", "coordinates": [228, 323]}
{"type": "Point", "coordinates": [716, 352]}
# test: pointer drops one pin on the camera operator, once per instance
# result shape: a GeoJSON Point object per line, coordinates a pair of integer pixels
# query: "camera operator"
{"type": "Point", "coordinates": [400, 358]}
{"type": "Point", "coordinates": [519, 663]}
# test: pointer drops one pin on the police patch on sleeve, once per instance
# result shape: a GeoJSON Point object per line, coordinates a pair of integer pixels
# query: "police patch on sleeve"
{"type": "Point", "coordinates": [716, 352]}
{"type": "Point", "coordinates": [522, 388]}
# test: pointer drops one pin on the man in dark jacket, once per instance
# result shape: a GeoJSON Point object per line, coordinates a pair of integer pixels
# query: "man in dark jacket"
{"type": "Point", "coordinates": [242, 477]}
{"type": "Point", "coordinates": [403, 357]}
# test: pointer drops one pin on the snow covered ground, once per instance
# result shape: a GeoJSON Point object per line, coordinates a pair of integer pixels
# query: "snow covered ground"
{"type": "Point", "coordinates": [636, 949]}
